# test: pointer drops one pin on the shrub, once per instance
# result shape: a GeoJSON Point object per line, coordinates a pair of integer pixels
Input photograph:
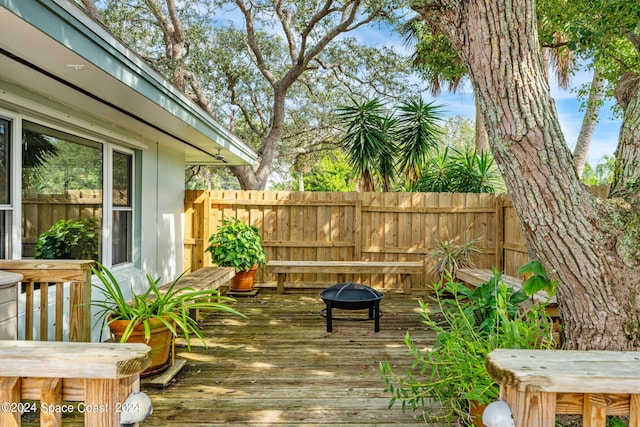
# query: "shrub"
{"type": "Point", "coordinates": [70, 239]}
{"type": "Point", "coordinates": [236, 244]}
{"type": "Point", "coordinates": [468, 326]}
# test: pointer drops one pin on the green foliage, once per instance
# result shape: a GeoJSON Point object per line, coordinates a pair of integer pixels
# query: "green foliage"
{"type": "Point", "coordinates": [382, 146]}
{"type": "Point", "coordinates": [65, 166]}
{"type": "Point", "coordinates": [170, 306]}
{"type": "Point", "coordinates": [315, 66]}
{"type": "Point", "coordinates": [367, 140]}
{"type": "Point", "coordinates": [236, 244]}
{"type": "Point", "coordinates": [417, 134]}
{"type": "Point", "coordinates": [616, 422]}
{"type": "Point", "coordinates": [210, 177]}
{"type": "Point", "coordinates": [458, 132]}
{"type": "Point", "coordinates": [450, 170]}
{"type": "Point", "coordinates": [597, 32]}
{"type": "Point", "coordinates": [601, 174]}
{"type": "Point", "coordinates": [468, 326]}
{"type": "Point", "coordinates": [449, 255]}
{"type": "Point", "coordinates": [538, 279]}
{"type": "Point", "coordinates": [70, 239]}
{"type": "Point", "coordinates": [434, 57]}
{"type": "Point", "coordinates": [331, 173]}
{"type": "Point", "coordinates": [488, 299]}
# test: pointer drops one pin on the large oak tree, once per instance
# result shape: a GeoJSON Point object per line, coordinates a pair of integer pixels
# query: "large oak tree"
{"type": "Point", "coordinates": [274, 76]}
{"type": "Point", "coordinates": [591, 245]}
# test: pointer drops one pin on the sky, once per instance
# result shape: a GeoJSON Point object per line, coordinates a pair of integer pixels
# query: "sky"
{"type": "Point", "coordinates": [605, 137]}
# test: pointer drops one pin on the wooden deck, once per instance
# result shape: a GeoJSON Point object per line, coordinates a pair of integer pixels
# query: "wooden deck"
{"type": "Point", "coordinates": [279, 367]}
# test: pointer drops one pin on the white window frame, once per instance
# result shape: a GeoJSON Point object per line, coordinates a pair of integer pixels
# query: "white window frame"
{"type": "Point", "coordinates": [108, 208]}
{"type": "Point", "coordinates": [108, 146]}
{"type": "Point", "coordinates": [14, 208]}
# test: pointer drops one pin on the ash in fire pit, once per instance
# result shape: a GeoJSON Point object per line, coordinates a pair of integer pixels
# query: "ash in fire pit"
{"type": "Point", "coordinates": [352, 296]}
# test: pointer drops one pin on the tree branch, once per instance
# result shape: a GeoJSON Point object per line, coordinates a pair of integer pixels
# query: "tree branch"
{"type": "Point", "coordinates": [285, 17]}
{"type": "Point", "coordinates": [233, 100]}
{"type": "Point", "coordinates": [92, 10]}
{"type": "Point", "coordinates": [253, 42]}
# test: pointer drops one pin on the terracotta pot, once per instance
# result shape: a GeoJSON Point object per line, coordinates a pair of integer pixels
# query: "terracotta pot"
{"type": "Point", "coordinates": [161, 341]}
{"type": "Point", "coordinates": [476, 410]}
{"type": "Point", "coordinates": [243, 280]}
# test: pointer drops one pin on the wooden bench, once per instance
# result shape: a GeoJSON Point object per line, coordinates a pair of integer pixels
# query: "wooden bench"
{"type": "Point", "coordinates": [205, 278]}
{"type": "Point", "coordinates": [100, 375]}
{"type": "Point", "coordinates": [539, 384]}
{"type": "Point", "coordinates": [477, 276]}
{"type": "Point", "coordinates": [342, 268]}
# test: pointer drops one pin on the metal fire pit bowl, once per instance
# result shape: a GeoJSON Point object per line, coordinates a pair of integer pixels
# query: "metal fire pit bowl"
{"type": "Point", "coordinates": [352, 296]}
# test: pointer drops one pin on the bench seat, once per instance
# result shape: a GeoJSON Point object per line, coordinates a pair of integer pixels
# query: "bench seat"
{"type": "Point", "coordinates": [205, 278]}
{"type": "Point", "coordinates": [342, 268]}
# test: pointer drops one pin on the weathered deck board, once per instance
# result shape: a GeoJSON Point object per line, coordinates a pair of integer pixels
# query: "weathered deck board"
{"type": "Point", "coordinates": [279, 367]}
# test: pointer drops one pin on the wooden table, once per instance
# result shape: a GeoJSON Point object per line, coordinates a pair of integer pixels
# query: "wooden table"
{"type": "Point", "coordinates": [99, 375]}
{"type": "Point", "coordinates": [539, 384]}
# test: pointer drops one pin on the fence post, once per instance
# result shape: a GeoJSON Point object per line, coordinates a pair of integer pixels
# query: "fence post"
{"type": "Point", "coordinates": [206, 231]}
{"type": "Point", "coordinates": [499, 240]}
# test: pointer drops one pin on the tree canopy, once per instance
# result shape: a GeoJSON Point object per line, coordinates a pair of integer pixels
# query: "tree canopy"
{"type": "Point", "coordinates": [271, 71]}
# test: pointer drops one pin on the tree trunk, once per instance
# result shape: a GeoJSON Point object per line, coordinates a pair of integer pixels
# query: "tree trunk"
{"type": "Point", "coordinates": [575, 235]}
{"type": "Point", "coordinates": [626, 182]}
{"type": "Point", "coordinates": [481, 132]}
{"type": "Point", "coordinates": [589, 121]}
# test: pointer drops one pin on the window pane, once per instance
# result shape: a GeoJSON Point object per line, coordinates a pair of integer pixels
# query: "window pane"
{"type": "Point", "coordinates": [122, 210]}
{"type": "Point", "coordinates": [121, 179]}
{"type": "Point", "coordinates": [121, 235]}
{"type": "Point", "coordinates": [5, 186]}
{"type": "Point", "coordinates": [5, 170]}
{"type": "Point", "coordinates": [61, 180]}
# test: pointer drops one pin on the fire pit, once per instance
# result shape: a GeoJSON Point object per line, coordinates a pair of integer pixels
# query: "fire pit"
{"type": "Point", "coordinates": [352, 296]}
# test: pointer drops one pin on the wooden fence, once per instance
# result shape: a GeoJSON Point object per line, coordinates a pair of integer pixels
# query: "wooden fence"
{"type": "Point", "coordinates": [358, 226]}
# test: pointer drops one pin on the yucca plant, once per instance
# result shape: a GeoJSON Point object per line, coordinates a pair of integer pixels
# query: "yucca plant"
{"type": "Point", "coordinates": [450, 255]}
{"type": "Point", "coordinates": [170, 306]}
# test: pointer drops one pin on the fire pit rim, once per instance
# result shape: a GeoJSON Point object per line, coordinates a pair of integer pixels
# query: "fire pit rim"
{"type": "Point", "coordinates": [329, 294]}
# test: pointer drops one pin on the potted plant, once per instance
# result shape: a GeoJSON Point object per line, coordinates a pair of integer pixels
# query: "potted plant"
{"type": "Point", "coordinates": [156, 316]}
{"type": "Point", "coordinates": [236, 244]}
{"type": "Point", "coordinates": [70, 239]}
{"type": "Point", "coordinates": [468, 326]}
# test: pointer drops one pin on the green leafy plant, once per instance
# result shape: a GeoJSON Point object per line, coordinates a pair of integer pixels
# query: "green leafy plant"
{"type": "Point", "coordinates": [538, 279]}
{"type": "Point", "coordinates": [70, 239]}
{"type": "Point", "coordinates": [450, 255]}
{"type": "Point", "coordinates": [616, 422]}
{"type": "Point", "coordinates": [170, 306]}
{"type": "Point", "coordinates": [450, 170]}
{"type": "Point", "coordinates": [490, 301]}
{"type": "Point", "coordinates": [452, 373]}
{"type": "Point", "coordinates": [236, 244]}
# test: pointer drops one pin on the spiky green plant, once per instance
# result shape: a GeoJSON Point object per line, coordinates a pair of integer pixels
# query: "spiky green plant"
{"type": "Point", "coordinates": [170, 306]}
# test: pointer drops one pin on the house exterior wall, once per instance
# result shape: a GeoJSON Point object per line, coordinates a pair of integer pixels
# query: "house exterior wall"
{"type": "Point", "coordinates": [62, 70]}
{"type": "Point", "coordinates": [158, 196]}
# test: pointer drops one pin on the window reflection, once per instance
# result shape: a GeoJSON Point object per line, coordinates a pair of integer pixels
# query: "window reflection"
{"type": "Point", "coordinates": [61, 180]}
